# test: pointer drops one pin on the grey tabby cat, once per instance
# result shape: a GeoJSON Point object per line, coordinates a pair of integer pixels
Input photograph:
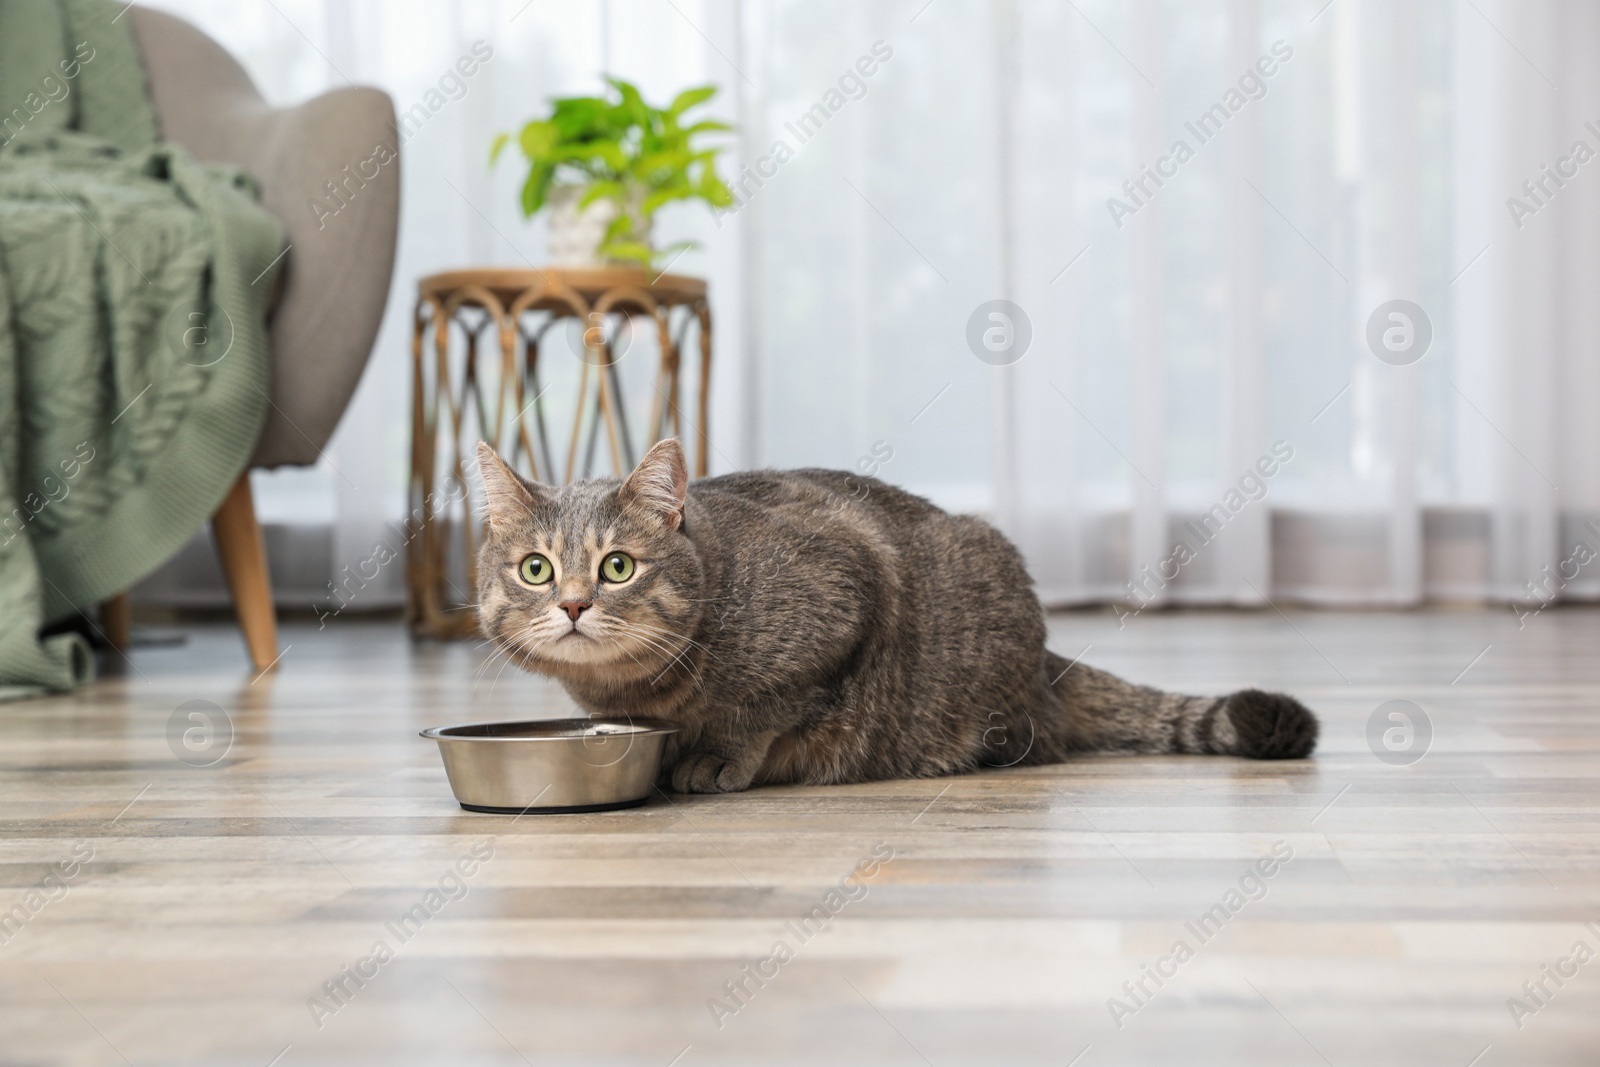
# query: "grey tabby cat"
{"type": "Point", "coordinates": [814, 627]}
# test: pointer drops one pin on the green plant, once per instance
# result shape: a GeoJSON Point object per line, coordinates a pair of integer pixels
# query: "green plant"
{"type": "Point", "coordinates": [619, 148]}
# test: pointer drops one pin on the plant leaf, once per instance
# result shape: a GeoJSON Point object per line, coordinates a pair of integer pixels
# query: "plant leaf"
{"type": "Point", "coordinates": [538, 140]}
{"type": "Point", "coordinates": [536, 190]}
{"type": "Point", "coordinates": [676, 161]}
{"type": "Point", "coordinates": [653, 202]}
{"type": "Point", "coordinates": [713, 191]}
{"type": "Point", "coordinates": [633, 104]}
{"type": "Point", "coordinates": [620, 226]}
{"type": "Point", "coordinates": [603, 190]}
{"type": "Point", "coordinates": [617, 147]}
{"type": "Point", "coordinates": [689, 98]}
{"type": "Point", "coordinates": [608, 153]}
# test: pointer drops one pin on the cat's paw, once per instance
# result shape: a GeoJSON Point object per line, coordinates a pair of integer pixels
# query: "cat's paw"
{"type": "Point", "coordinates": [707, 772]}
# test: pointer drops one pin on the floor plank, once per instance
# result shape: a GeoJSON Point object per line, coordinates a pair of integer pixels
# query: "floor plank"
{"type": "Point", "coordinates": [211, 904]}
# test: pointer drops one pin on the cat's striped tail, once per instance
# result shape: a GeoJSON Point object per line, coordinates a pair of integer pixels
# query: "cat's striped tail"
{"type": "Point", "coordinates": [1106, 714]}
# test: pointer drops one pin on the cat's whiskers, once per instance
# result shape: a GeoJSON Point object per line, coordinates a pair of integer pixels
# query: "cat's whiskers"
{"type": "Point", "coordinates": [497, 648]}
{"type": "Point", "coordinates": [498, 673]}
{"type": "Point", "coordinates": [666, 631]}
{"type": "Point", "coordinates": [636, 628]}
{"type": "Point", "coordinates": [656, 639]}
{"type": "Point", "coordinates": [541, 630]}
{"type": "Point", "coordinates": [506, 643]}
{"type": "Point", "coordinates": [655, 644]}
{"type": "Point", "coordinates": [636, 659]}
{"type": "Point", "coordinates": [503, 646]}
{"type": "Point", "coordinates": [618, 629]}
{"type": "Point", "coordinates": [689, 644]}
{"type": "Point", "coordinates": [674, 635]}
{"type": "Point", "coordinates": [477, 677]}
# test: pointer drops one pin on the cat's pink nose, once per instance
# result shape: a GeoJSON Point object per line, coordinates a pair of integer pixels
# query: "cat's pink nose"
{"type": "Point", "coordinates": [574, 608]}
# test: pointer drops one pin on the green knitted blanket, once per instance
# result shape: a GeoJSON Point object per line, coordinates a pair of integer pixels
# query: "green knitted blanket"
{"type": "Point", "coordinates": [133, 346]}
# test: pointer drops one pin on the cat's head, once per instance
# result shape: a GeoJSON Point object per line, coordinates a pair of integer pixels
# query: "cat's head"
{"type": "Point", "coordinates": [596, 578]}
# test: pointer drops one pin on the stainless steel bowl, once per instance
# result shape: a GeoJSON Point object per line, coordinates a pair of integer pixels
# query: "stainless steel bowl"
{"type": "Point", "coordinates": [552, 765]}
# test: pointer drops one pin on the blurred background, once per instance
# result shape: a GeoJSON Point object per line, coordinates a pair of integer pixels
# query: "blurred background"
{"type": "Point", "coordinates": [1163, 338]}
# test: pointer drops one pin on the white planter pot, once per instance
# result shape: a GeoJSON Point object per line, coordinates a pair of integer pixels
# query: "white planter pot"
{"type": "Point", "coordinates": [576, 236]}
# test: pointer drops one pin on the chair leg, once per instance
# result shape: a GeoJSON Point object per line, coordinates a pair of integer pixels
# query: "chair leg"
{"type": "Point", "coordinates": [244, 561]}
{"type": "Point", "coordinates": [116, 619]}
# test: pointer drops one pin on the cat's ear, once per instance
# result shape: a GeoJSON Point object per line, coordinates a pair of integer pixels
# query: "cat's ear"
{"type": "Point", "coordinates": [657, 486]}
{"type": "Point", "coordinates": [507, 495]}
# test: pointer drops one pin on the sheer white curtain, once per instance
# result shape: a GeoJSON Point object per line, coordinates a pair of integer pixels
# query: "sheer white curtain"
{"type": "Point", "coordinates": [1202, 326]}
{"type": "Point", "coordinates": [1198, 415]}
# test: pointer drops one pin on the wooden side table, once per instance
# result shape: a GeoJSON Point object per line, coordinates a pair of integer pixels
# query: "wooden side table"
{"type": "Point", "coordinates": [460, 396]}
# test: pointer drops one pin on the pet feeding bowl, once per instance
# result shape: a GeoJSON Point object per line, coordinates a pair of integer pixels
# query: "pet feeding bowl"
{"type": "Point", "coordinates": [552, 765]}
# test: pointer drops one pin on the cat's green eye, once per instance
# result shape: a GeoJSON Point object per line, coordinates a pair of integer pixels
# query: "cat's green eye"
{"type": "Point", "coordinates": [536, 570]}
{"type": "Point", "coordinates": [617, 567]}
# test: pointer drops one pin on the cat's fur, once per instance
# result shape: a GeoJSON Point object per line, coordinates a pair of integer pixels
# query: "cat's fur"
{"type": "Point", "coordinates": [814, 627]}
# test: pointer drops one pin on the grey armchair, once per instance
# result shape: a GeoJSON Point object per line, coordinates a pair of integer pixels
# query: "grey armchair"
{"type": "Point", "coordinates": [336, 270]}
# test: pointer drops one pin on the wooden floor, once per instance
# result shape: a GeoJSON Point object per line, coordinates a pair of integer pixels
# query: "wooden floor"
{"type": "Point", "coordinates": [208, 906]}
